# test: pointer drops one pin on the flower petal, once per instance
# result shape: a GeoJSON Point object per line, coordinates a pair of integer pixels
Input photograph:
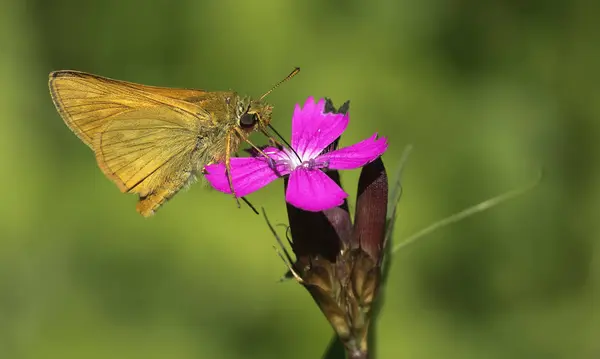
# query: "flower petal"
{"type": "Point", "coordinates": [248, 174]}
{"type": "Point", "coordinates": [313, 190]}
{"type": "Point", "coordinates": [356, 155]}
{"type": "Point", "coordinates": [313, 130]}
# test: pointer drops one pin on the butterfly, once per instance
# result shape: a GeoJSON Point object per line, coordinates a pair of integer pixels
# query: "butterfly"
{"type": "Point", "coordinates": [154, 141]}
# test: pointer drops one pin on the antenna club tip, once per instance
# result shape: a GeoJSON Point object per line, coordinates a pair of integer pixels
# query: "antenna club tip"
{"type": "Point", "coordinates": [292, 74]}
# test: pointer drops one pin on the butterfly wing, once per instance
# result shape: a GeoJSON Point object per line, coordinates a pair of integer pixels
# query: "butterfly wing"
{"type": "Point", "coordinates": [148, 140]}
{"type": "Point", "coordinates": [88, 102]}
{"type": "Point", "coordinates": [153, 152]}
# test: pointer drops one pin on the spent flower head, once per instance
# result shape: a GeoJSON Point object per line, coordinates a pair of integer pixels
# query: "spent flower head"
{"type": "Point", "coordinates": [309, 188]}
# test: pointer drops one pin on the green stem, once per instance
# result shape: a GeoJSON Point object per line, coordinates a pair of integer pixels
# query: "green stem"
{"type": "Point", "coordinates": [480, 207]}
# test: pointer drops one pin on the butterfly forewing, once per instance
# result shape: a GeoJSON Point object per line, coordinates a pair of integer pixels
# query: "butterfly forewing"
{"type": "Point", "coordinates": [87, 102]}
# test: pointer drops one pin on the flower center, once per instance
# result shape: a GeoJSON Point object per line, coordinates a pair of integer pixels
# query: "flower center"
{"type": "Point", "coordinates": [313, 164]}
{"type": "Point", "coordinates": [291, 162]}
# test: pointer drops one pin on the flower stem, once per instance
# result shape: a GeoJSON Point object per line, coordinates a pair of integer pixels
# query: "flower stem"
{"type": "Point", "coordinates": [480, 207]}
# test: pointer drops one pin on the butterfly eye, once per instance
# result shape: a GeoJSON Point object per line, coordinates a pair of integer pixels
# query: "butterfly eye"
{"type": "Point", "coordinates": [248, 120]}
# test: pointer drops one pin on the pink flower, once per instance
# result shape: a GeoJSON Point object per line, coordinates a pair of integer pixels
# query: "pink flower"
{"type": "Point", "coordinates": [309, 188]}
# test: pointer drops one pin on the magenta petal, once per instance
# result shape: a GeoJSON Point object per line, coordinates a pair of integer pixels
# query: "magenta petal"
{"type": "Point", "coordinates": [312, 130]}
{"type": "Point", "coordinates": [313, 190]}
{"type": "Point", "coordinates": [248, 174]}
{"type": "Point", "coordinates": [356, 155]}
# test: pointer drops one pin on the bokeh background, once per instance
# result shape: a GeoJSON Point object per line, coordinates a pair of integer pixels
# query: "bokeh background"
{"type": "Point", "coordinates": [486, 91]}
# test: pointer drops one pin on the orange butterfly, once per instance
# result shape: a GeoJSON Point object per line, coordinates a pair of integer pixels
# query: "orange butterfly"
{"type": "Point", "coordinates": [153, 141]}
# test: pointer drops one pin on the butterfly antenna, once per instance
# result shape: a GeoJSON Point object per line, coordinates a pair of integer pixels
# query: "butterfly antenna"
{"type": "Point", "coordinates": [292, 74]}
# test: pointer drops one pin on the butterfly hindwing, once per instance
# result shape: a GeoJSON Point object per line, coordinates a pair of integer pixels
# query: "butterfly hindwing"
{"type": "Point", "coordinates": [153, 152]}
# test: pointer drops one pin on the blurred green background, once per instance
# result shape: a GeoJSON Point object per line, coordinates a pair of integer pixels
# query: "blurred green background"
{"type": "Point", "coordinates": [486, 91]}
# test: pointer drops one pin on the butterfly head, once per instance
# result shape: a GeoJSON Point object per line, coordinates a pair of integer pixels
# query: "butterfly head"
{"type": "Point", "coordinates": [254, 115]}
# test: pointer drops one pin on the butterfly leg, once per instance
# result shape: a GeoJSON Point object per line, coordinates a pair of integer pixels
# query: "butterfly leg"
{"type": "Point", "coordinates": [245, 138]}
{"type": "Point", "coordinates": [273, 141]}
{"type": "Point", "coordinates": [228, 168]}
